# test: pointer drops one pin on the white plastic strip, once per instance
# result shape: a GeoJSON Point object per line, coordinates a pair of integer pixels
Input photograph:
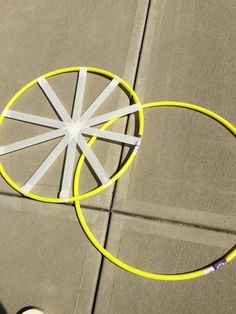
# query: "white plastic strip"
{"type": "Point", "coordinates": [137, 146]}
{"type": "Point", "coordinates": [16, 115]}
{"type": "Point", "coordinates": [32, 141]}
{"type": "Point", "coordinates": [54, 100]}
{"type": "Point", "coordinates": [46, 164]}
{"type": "Point", "coordinates": [68, 169]}
{"type": "Point", "coordinates": [111, 115]}
{"type": "Point", "coordinates": [209, 270]}
{"type": "Point", "coordinates": [71, 149]}
{"type": "Point", "coordinates": [100, 99]}
{"type": "Point", "coordinates": [92, 159]}
{"type": "Point", "coordinates": [79, 97]}
{"type": "Point", "coordinates": [114, 136]}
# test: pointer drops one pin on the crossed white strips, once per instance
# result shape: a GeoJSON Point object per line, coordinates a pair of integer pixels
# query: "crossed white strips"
{"type": "Point", "coordinates": [72, 130]}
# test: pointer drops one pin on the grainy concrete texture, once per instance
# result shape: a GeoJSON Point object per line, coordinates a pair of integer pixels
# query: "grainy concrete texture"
{"type": "Point", "coordinates": [174, 208]}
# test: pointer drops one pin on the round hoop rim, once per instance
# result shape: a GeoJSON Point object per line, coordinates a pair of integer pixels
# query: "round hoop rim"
{"type": "Point", "coordinates": [230, 255]}
{"type": "Point", "coordinates": [116, 176]}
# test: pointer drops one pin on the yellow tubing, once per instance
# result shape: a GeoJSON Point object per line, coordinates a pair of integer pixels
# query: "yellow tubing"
{"type": "Point", "coordinates": [181, 276]}
{"type": "Point", "coordinates": [115, 176]}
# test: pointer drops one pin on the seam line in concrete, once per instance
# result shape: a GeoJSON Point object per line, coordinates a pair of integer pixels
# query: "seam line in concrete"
{"type": "Point", "coordinates": [120, 159]}
{"type": "Point", "coordinates": [152, 218]}
{"type": "Point", "coordinates": [175, 222]}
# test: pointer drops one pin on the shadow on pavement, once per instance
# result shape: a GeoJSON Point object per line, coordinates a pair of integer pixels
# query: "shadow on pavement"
{"type": "Point", "coordinates": [2, 309]}
{"type": "Point", "coordinates": [24, 309]}
{"type": "Point", "coordinates": [29, 308]}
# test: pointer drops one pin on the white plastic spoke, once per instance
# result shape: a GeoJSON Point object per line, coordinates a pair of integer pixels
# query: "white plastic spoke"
{"type": "Point", "coordinates": [71, 149]}
{"type": "Point", "coordinates": [32, 141]}
{"type": "Point", "coordinates": [112, 115]}
{"type": "Point", "coordinates": [54, 100]}
{"type": "Point", "coordinates": [79, 97]}
{"type": "Point", "coordinates": [25, 117]}
{"type": "Point", "coordinates": [114, 136]}
{"type": "Point", "coordinates": [68, 169]}
{"type": "Point", "coordinates": [100, 99]}
{"type": "Point", "coordinates": [92, 159]}
{"type": "Point", "coordinates": [46, 164]}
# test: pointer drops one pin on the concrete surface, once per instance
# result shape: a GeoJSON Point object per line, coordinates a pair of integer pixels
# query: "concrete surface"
{"type": "Point", "coordinates": [46, 260]}
{"type": "Point", "coordinates": [186, 169]}
{"type": "Point", "coordinates": [167, 248]}
{"type": "Point", "coordinates": [174, 209]}
{"type": "Point", "coordinates": [40, 37]}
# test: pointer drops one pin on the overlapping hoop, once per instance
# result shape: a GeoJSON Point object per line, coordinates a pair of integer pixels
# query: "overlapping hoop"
{"type": "Point", "coordinates": [72, 129]}
{"type": "Point", "coordinates": [73, 135]}
{"type": "Point", "coordinates": [142, 273]}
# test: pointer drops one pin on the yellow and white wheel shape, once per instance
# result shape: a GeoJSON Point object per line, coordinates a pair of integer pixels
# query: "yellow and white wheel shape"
{"type": "Point", "coordinates": [72, 130]}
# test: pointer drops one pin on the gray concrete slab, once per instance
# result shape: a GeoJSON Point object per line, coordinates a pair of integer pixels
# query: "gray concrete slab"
{"type": "Point", "coordinates": [162, 247]}
{"type": "Point", "coordinates": [40, 37]}
{"type": "Point", "coordinates": [45, 259]}
{"type": "Point", "coordinates": [185, 169]}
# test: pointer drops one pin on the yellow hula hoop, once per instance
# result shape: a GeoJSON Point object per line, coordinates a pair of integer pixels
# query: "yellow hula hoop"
{"type": "Point", "coordinates": [114, 177]}
{"type": "Point", "coordinates": [170, 277]}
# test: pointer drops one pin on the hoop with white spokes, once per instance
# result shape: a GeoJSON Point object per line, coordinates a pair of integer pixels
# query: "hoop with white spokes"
{"type": "Point", "coordinates": [71, 129]}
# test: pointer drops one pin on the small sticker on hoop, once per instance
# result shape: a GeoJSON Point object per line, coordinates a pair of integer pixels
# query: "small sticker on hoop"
{"type": "Point", "coordinates": [215, 266]}
{"type": "Point", "coordinates": [219, 264]}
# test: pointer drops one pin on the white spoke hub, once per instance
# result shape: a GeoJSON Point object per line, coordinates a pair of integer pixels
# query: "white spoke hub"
{"type": "Point", "coordinates": [71, 129]}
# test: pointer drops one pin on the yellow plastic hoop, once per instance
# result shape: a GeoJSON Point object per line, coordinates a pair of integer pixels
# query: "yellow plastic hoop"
{"type": "Point", "coordinates": [168, 277]}
{"type": "Point", "coordinates": [114, 177]}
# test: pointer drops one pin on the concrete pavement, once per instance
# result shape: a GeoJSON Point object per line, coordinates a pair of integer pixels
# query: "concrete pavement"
{"type": "Point", "coordinates": [174, 209]}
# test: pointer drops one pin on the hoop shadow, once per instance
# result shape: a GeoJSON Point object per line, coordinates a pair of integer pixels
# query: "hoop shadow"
{"type": "Point", "coordinates": [2, 309]}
